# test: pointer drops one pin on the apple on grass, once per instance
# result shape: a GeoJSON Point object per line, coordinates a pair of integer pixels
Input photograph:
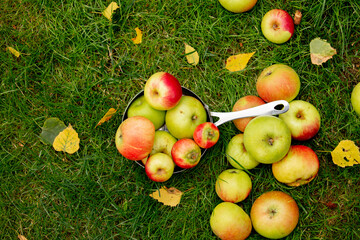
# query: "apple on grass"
{"type": "Point", "coordinates": [162, 91]}
{"type": "Point", "coordinates": [303, 120]}
{"type": "Point", "coordinates": [278, 82]}
{"type": "Point", "coordinates": [135, 137]}
{"type": "Point", "coordinates": [298, 167]}
{"type": "Point", "coordinates": [243, 103]}
{"type": "Point", "coordinates": [206, 134]}
{"type": "Point", "coordinates": [237, 155]}
{"type": "Point", "coordinates": [230, 221]}
{"type": "Point", "coordinates": [182, 120]}
{"type": "Point", "coordinates": [267, 139]}
{"type": "Point", "coordinates": [233, 185]}
{"type": "Point", "coordinates": [238, 6]}
{"type": "Point", "coordinates": [277, 26]}
{"type": "Point", "coordinates": [159, 167]}
{"type": "Point", "coordinates": [274, 214]}
{"type": "Point", "coordinates": [140, 107]}
{"type": "Point", "coordinates": [186, 153]}
{"type": "Point", "coordinates": [355, 98]}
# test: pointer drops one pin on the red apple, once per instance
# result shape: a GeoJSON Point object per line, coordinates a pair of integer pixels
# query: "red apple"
{"type": "Point", "coordinates": [135, 137]}
{"type": "Point", "coordinates": [162, 91]}
{"type": "Point", "coordinates": [228, 221]}
{"type": "Point", "coordinates": [186, 153]}
{"type": "Point", "coordinates": [243, 103]}
{"type": "Point", "coordinates": [206, 135]}
{"type": "Point", "coordinates": [278, 82]}
{"type": "Point", "coordinates": [303, 120]}
{"type": "Point", "coordinates": [277, 26]}
{"type": "Point", "coordinates": [159, 167]}
{"type": "Point", "coordinates": [298, 167]}
{"type": "Point", "coordinates": [274, 214]}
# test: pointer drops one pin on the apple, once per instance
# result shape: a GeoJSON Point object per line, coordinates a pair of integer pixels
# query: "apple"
{"type": "Point", "coordinates": [274, 214]}
{"type": "Point", "coordinates": [135, 137]}
{"type": "Point", "coordinates": [278, 82]}
{"type": "Point", "coordinates": [267, 139]}
{"type": "Point", "coordinates": [186, 153]}
{"type": "Point", "coordinates": [277, 26]}
{"type": "Point", "coordinates": [162, 91]}
{"type": "Point", "coordinates": [355, 98]}
{"type": "Point", "coordinates": [303, 120]}
{"type": "Point", "coordinates": [233, 185]}
{"type": "Point", "coordinates": [159, 167]}
{"type": "Point", "coordinates": [298, 167]}
{"type": "Point", "coordinates": [230, 221]}
{"type": "Point", "coordinates": [140, 107]}
{"type": "Point", "coordinates": [243, 103]}
{"type": "Point", "coordinates": [238, 6]}
{"type": "Point", "coordinates": [237, 155]}
{"type": "Point", "coordinates": [206, 135]}
{"type": "Point", "coordinates": [182, 120]}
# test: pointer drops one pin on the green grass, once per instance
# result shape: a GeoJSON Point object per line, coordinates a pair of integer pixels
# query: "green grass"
{"type": "Point", "coordinates": [75, 68]}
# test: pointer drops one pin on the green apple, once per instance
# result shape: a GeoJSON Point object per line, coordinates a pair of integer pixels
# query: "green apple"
{"type": "Point", "coordinates": [182, 119]}
{"type": "Point", "coordinates": [140, 107]}
{"type": "Point", "coordinates": [159, 167]}
{"type": "Point", "coordinates": [238, 6]}
{"type": "Point", "coordinates": [230, 221]}
{"type": "Point", "coordinates": [237, 155]}
{"type": "Point", "coordinates": [355, 98]}
{"type": "Point", "coordinates": [267, 139]}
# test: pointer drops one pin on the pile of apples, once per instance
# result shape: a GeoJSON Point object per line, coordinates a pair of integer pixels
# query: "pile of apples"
{"type": "Point", "coordinates": [165, 129]}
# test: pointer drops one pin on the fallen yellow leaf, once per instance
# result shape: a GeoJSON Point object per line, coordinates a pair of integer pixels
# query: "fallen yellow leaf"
{"type": "Point", "coordinates": [320, 51]}
{"type": "Point", "coordinates": [13, 51]}
{"type": "Point", "coordinates": [138, 38]}
{"type": "Point", "coordinates": [238, 62]}
{"type": "Point", "coordinates": [110, 10]}
{"type": "Point", "coordinates": [191, 54]}
{"type": "Point", "coordinates": [346, 154]}
{"type": "Point", "coordinates": [67, 141]}
{"type": "Point", "coordinates": [167, 196]}
{"type": "Point", "coordinates": [107, 116]}
{"type": "Point", "coordinates": [21, 237]}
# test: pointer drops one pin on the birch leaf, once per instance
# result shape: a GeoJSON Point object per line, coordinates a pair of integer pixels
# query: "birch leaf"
{"type": "Point", "coordinates": [13, 51]}
{"type": "Point", "coordinates": [238, 62]}
{"type": "Point", "coordinates": [107, 116]}
{"type": "Point", "coordinates": [167, 196]}
{"type": "Point", "coordinates": [110, 10]}
{"type": "Point", "coordinates": [191, 54]}
{"type": "Point", "coordinates": [67, 141]}
{"type": "Point", "coordinates": [346, 154]}
{"type": "Point", "coordinates": [320, 51]}
{"type": "Point", "coordinates": [52, 127]}
{"type": "Point", "coordinates": [138, 38]}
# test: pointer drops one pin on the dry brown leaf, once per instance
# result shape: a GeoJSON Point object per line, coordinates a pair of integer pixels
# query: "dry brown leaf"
{"type": "Point", "coordinates": [138, 38]}
{"type": "Point", "coordinates": [346, 154]}
{"type": "Point", "coordinates": [21, 237]}
{"type": "Point", "coordinates": [238, 62]}
{"type": "Point", "coordinates": [167, 196]}
{"type": "Point", "coordinates": [107, 116]}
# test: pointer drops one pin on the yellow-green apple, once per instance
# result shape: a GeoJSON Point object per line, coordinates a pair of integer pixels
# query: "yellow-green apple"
{"type": "Point", "coordinates": [243, 103]}
{"type": "Point", "coordinates": [267, 139]}
{"type": "Point", "coordinates": [233, 185]}
{"type": "Point", "coordinates": [298, 167]}
{"type": "Point", "coordinates": [182, 120]}
{"type": "Point", "coordinates": [206, 134]}
{"type": "Point", "coordinates": [186, 153]}
{"type": "Point", "coordinates": [355, 98]}
{"type": "Point", "coordinates": [303, 120]}
{"type": "Point", "coordinates": [159, 167]}
{"type": "Point", "coordinates": [162, 91]}
{"type": "Point", "coordinates": [238, 6]}
{"type": "Point", "coordinates": [135, 137]}
{"type": "Point", "coordinates": [278, 82]}
{"type": "Point", "coordinates": [230, 221]}
{"type": "Point", "coordinates": [277, 26]}
{"type": "Point", "coordinates": [237, 155]}
{"type": "Point", "coordinates": [140, 107]}
{"type": "Point", "coordinates": [274, 214]}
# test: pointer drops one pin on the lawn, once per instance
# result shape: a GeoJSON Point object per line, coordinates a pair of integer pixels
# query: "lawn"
{"type": "Point", "coordinates": [74, 65]}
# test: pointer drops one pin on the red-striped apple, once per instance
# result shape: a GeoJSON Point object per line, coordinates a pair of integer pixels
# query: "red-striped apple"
{"type": "Point", "coordinates": [277, 26]}
{"type": "Point", "coordinates": [159, 167]}
{"type": "Point", "coordinates": [186, 153]}
{"type": "Point", "coordinates": [206, 135]}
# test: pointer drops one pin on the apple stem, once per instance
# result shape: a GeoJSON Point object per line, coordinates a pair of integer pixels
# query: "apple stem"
{"type": "Point", "coordinates": [194, 117]}
{"type": "Point", "coordinates": [271, 141]}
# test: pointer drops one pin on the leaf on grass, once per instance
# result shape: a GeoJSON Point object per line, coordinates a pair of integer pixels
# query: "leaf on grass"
{"type": "Point", "coordinates": [167, 196]}
{"type": "Point", "coordinates": [21, 237]}
{"type": "Point", "coordinates": [13, 51]}
{"type": "Point", "coordinates": [110, 10]}
{"type": "Point", "coordinates": [67, 141]}
{"type": "Point", "coordinates": [107, 116]}
{"type": "Point", "coordinates": [191, 54]}
{"type": "Point", "coordinates": [52, 127]}
{"type": "Point", "coordinates": [238, 62]}
{"type": "Point", "coordinates": [138, 38]}
{"type": "Point", "coordinates": [346, 154]}
{"type": "Point", "coordinates": [320, 51]}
